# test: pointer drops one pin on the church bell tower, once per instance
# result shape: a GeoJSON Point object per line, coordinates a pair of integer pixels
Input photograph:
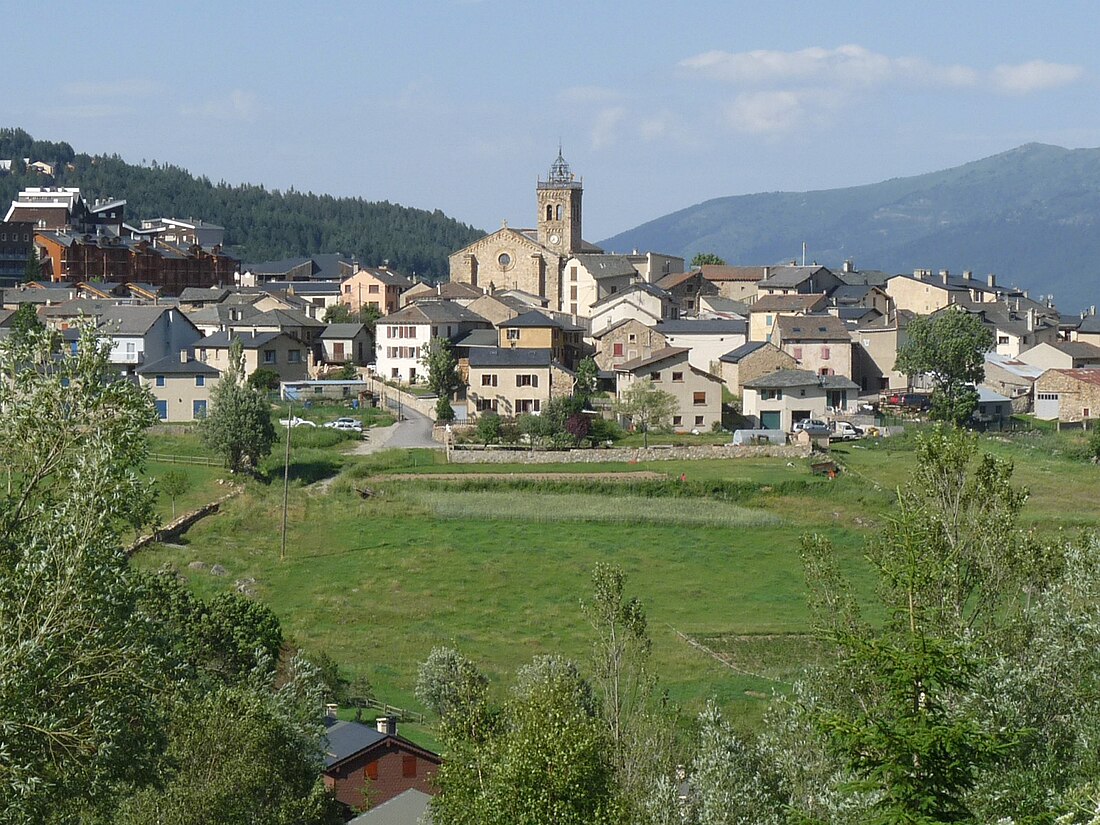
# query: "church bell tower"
{"type": "Point", "coordinates": [559, 200]}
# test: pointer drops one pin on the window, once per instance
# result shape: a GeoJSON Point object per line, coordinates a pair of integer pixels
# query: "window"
{"type": "Point", "coordinates": [504, 259]}
{"type": "Point", "coordinates": [698, 421]}
{"type": "Point", "coordinates": [198, 409]}
{"type": "Point", "coordinates": [824, 353]}
{"type": "Point", "coordinates": [572, 273]}
{"type": "Point", "coordinates": [826, 371]}
{"type": "Point", "coordinates": [371, 770]}
{"type": "Point", "coordinates": [486, 405]}
{"type": "Point", "coordinates": [372, 289]}
{"type": "Point", "coordinates": [768, 320]}
{"type": "Point", "coordinates": [677, 376]}
{"type": "Point", "coordinates": [318, 390]}
{"type": "Point", "coordinates": [797, 353]}
{"type": "Point", "coordinates": [527, 380]}
{"type": "Point", "coordinates": [202, 355]}
{"type": "Point", "coordinates": [1002, 339]}
{"type": "Point", "coordinates": [617, 350]}
{"type": "Point", "coordinates": [573, 292]}
{"type": "Point", "coordinates": [559, 212]}
{"type": "Point", "coordinates": [295, 356]}
{"type": "Point", "coordinates": [269, 356]}
{"type": "Point", "coordinates": [698, 398]}
{"type": "Point", "coordinates": [771, 395]}
{"type": "Point", "coordinates": [677, 420]}
{"type": "Point", "coordinates": [200, 380]}
{"type": "Point", "coordinates": [160, 381]}
{"type": "Point", "coordinates": [655, 376]}
{"type": "Point", "coordinates": [513, 334]}
{"type": "Point", "coordinates": [408, 766]}
{"type": "Point", "coordinates": [1086, 413]}
{"type": "Point", "coordinates": [489, 379]}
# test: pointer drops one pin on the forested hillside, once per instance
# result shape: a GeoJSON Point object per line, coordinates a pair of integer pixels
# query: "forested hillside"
{"type": "Point", "coordinates": [260, 224]}
{"type": "Point", "coordinates": [1030, 215]}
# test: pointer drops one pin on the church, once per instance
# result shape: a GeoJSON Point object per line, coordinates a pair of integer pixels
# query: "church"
{"type": "Point", "coordinates": [531, 260]}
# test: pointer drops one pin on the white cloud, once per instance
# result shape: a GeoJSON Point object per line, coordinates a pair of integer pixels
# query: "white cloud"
{"type": "Point", "coordinates": [1033, 76]}
{"type": "Point", "coordinates": [765, 112]}
{"type": "Point", "coordinates": [237, 105]}
{"type": "Point", "coordinates": [606, 127]}
{"type": "Point", "coordinates": [853, 66]}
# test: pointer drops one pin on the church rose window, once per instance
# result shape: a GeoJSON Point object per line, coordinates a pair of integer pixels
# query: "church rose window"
{"type": "Point", "coordinates": [504, 259]}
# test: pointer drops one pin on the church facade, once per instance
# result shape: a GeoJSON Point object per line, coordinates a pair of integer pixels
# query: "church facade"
{"type": "Point", "coordinates": [531, 260]}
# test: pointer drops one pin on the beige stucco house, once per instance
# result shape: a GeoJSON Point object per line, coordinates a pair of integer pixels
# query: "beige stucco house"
{"type": "Point", "coordinates": [180, 385]}
{"type": "Point", "coordinates": [277, 351]}
{"type": "Point", "coordinates": [698, 394]}
{"type": "Point", "coordinates": [777, 400]}
{"type": "Point", "coordinates": [511, 382]}
{"type": "Point", "coordinates": [819, 343]}
{"type": "Point", "coordinates": [766, 308]}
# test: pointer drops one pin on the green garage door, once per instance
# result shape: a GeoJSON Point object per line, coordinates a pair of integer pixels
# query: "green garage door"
{"type": "Point", "coordinates": [771, 420]}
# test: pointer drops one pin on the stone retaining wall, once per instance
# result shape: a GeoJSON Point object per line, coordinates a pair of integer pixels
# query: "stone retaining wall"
{"type": "Point", "coordinates": [625, 454]}
{"type": "Point", "coordinates": [173, 529]}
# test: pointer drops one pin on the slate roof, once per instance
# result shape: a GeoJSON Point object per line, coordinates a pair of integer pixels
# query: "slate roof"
{"type": "Point", "coordinates": [195, 294]}
{"type": "Point", "coordinates": [727, 306]}
{"type": "Point", "coordinates": [480, 338]}
{"type": "Point", "coordinates": [174, 365]}
{"type": "Point", "coordinates": [249, 340]}
{"type": "Point", "coordinates": [789, 277]}
{"type": "Point", "coordinates": [386, 276]}
{"type": "Point", "coordinates": [988, 396]}
{"type": "Point", "coordinates": [640, 286]}
{"type": "Point", "coordinates": [302, 287]}
{"type": "Point", "coordinates": [787, 303]}
{"type": "Point", "coordinates": [734, 356]}
{"type": "Point", "coordinates": [660, 355]}
{"type": "Point", "coordinates": [607, 266]}
{"type": "Point", "coordinates": [447, 290]}
{"type": "Point", "coordinates": [324, 267]}
{"type": "Point", "coordinates": [281, 318]}
{"type": "Point", "coordinates": [345, 739]}
{"type": "Point", "coordinates": [782, 379]}
{"type": "Point", "coordinates": [850, 293]}
{"type": "Point", "coordinates": [1077, 349]}
{"type": "Point", "coordinates": [342, 331]}
{"type": "Point", "coordinates": [220, 313]}
{"type": "Point", "coordinates": [510, 357]}
{"type": "Point", "coordinates": [532, 319]}
{"type": "Point", "coordinates": [870, 277]}
{"type": "Point", "coordinates": [131, 320]}
{"type": "Point", "coordinates": [410, 807]}
{"type": "Point", "coordinates": [704, 326]}
{"type": "Point", "coordinates": [812, 328]}
{"type": "Point", "coordinates": [434, 312]}
{"type": "Point", "coordinates": [1090, 324]}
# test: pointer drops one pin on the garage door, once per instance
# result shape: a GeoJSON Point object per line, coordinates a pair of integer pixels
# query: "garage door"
{"type": "Point", "coordinates": [771, 420]}
{"type": "Point", "coordinates": [1047, 405]}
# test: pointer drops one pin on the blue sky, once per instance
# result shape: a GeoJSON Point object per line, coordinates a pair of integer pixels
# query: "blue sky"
{"type": "Point", "coordinates": [459, 104]}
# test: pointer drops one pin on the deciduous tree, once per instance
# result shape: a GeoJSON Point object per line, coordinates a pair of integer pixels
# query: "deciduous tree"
{"type": "Point", "coordinates": [648, 407]}
{"type": "Point", "coordinates": [439, 362]}
{"type": "Point", "coordinates": [238, 425]}
{"type": "Point", "coordinates": [707, 258]}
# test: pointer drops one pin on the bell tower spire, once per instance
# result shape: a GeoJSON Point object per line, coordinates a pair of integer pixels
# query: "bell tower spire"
{"type": "Point", "coordinates": [559, 205]}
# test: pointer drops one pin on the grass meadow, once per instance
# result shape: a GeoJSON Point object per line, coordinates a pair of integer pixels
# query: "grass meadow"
{"type": "Point", "coordinates": [498, 567]}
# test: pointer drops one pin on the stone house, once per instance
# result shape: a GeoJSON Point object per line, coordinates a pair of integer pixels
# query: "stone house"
{"type": "Point", "coordinates": [819, 343]}
{"type": "Point", "coordinates": [738, 283]}
{"type": "Point", "coordinates": [778, 400]}
{"type": "Point", "coordinates": [687, 290]}
{"type": "Point", "coordinates": [924, 292]}
{"type": "Point", "coordinates": [1068, 395]}
{"type": "Point", "coordinates": [535, 330]}
{"type": "Point", "coordinates": [751, 360]}
{"type": "Point", "coordinates": [626, 340]}
{"type": "Point", "coordinates": [698, 393]}
{"type": "Point", "coordinates": [510, 382]}
{"type": "Point", "coordinates": [180, 385]}
{"type": "Point", "coordinates": [1012, 378]}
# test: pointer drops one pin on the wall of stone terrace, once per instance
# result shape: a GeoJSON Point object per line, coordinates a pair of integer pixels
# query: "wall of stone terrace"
{"type": "Point", "coordinates": [624, 454]}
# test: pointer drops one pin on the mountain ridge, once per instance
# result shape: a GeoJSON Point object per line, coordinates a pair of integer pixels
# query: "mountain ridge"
{"type": "Point", "coordinates": [1028, 214]}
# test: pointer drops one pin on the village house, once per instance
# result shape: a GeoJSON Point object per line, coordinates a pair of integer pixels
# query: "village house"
{"type": "Point", "coordinates": [180, 386]}
{"type": "Point", "coordinates": [865, 296]}
{"type": "Point", "coordinates": [345, 344]}
{"type": "Point", "coordinates": [698, 393]}
{"type": "Point", "coordinates": [626, 340]}
{"type": "Point", "coordinates": [511, 382]}
{"type": "Point", "coordinates": [751, 360]}
{"type": "Point", "coordinates": [1065, 355]}
{"type": "Point", "coordinates": [288, 357]}
{"type": "Point", "coordinates": [819, 343]}
{"type": "Point", "coordinates": [589, 278]}
{"type": "Point", "coordinates": [778, 400]}
{"type": "Point", "coordinates": [1087, 330]}
{"type": "Point", "coordinates": [766, 308]}
{"type": "Point", "coordinates": [1013, 332]}
{"type": "Point", "coordinates": [706, 340]}
{"type": "Point", "coordinates": [924, 292]}
{"type": "Point", "coordinates": [401, 339]}
{"type": "Point", "coordinates": [290, 322]}
{"type": "Point", "coordinates": [1011, 378]}
{"type": "Point", "coordinates": [457, 293]}
{"type": "Point", "coordinates": [688, 290]}
{"type": "Point", "coordinates": [1068, 395]}
{"type": "Point", "coordinates": [144, 334]}
{"type": "Point", "coordinates": [366, 766]}
{"type": "Point", "coordinates": [535, 330]}
{"type": "Point", "coordinates": [738, 283]}
{"type": "Point", "coordinates": [875, 344]}
{"type": "Point", "coordinates": [797, 280]}
{"type": "Point", "coordinates": [644, 302]}
{"type": "Point", "coordinates": [378, 287]}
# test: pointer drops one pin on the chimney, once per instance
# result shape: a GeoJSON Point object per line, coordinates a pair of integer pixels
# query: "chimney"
{"type": "Point", "coordinates": [1031, 319]}
{"type": "Point", "coordinates": [386, 725]}
{"type": "Point", "coordinates": [945, 275]}
{"type": "Point", "coordinates": [918, 274]}
{"type": "Point", "coordinates": [330, 710]}
{"type": "Point", "coordinates": [183, 356]}
{"type": "Point", "coordinates": [991, 280]}
{"type": "Point", "coordinates": [849, 266]}
{"type": "Point", "coordinates": [967, 274]}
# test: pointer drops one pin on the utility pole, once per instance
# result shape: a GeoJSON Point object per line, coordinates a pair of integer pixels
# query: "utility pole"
{"type": "Point", "coordinates": [286, 477]}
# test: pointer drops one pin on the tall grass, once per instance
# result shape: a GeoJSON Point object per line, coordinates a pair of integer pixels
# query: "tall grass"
{"type": "Point", "coordinates": [573, 507]}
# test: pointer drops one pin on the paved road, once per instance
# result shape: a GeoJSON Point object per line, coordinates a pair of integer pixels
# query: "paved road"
{"type": "Point", "coordinates": [414, 431]}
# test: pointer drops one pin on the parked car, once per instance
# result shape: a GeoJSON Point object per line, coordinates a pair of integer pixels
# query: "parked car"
{"type": "Point", "coordinates": [812, 426]}
{"type": "Point", "coordinates": [346, 423]}
{"type": "Point", "coordinates": [296, 422]}
{"type": "Point", "coordinates": [845, 431]}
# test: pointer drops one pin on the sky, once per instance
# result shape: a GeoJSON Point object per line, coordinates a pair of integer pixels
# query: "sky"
{"type": "Point", "coordinates": [460, 105]}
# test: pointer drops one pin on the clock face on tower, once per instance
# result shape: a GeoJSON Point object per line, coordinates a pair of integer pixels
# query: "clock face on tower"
{"type": "Point", "coordinates": [555, 239]}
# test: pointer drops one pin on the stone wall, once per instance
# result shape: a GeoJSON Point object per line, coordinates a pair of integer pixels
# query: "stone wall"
{"type": "Point", "coordinates": [624, 454]}
{"type": "Point", "coordinates": [386, 393]}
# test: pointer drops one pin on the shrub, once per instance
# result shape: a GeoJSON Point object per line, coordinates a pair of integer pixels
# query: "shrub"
{"type": "Point", "coordinates": [264, 378]}
{"type": "Point", "coordinates": [489, 429]}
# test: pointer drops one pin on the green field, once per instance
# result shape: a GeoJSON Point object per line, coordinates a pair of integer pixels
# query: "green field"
{"type": "Point", "coordinates": [497, 566]}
